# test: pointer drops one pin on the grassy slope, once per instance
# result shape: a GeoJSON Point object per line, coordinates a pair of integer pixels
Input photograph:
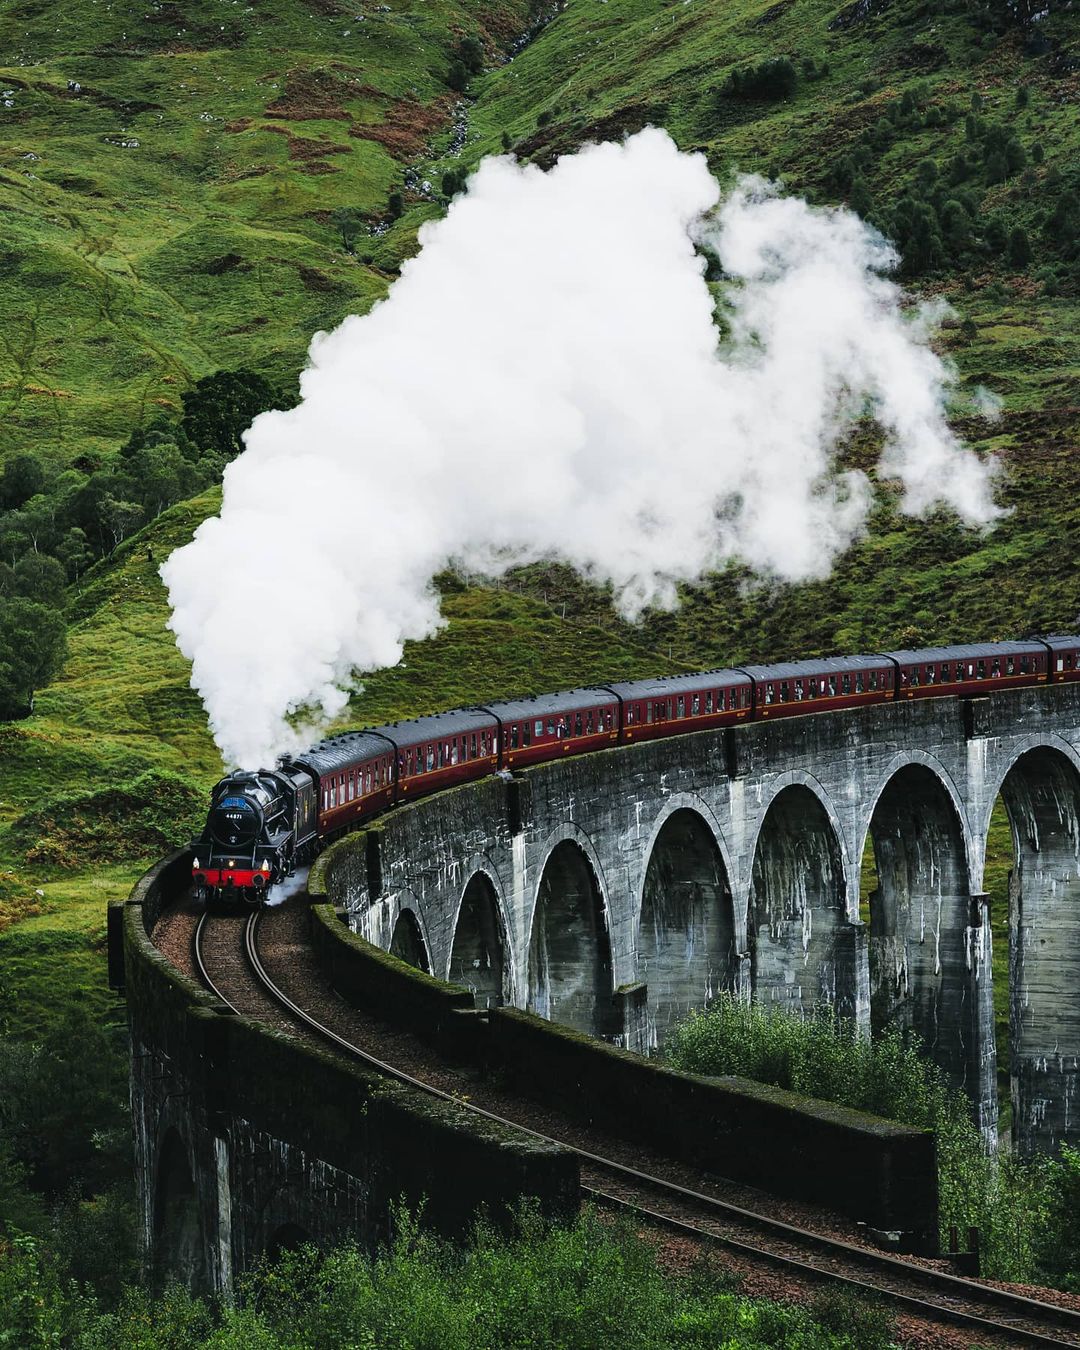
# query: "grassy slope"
{"type": "Point", "coordinates": [131, 270]}
{"type": "Point", "coordinates": [602, 68]}
{"type": "Point", "coordinates": [173, 217]}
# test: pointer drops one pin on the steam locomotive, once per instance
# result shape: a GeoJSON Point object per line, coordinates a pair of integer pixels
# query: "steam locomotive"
{"type": "Point", "coordinates": [262, 825]}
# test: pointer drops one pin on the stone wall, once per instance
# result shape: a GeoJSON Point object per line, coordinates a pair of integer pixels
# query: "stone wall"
{"type": "Point", "coordinates": [732, 860]}
{"type": "Point", "coordinates": [873, 1170]}
{"type": "Point", "coordinates": [246, 1139]}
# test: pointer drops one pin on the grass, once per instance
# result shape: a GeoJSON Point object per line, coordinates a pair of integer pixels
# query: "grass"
{"type": "Point", "coordinates": [173, 217]}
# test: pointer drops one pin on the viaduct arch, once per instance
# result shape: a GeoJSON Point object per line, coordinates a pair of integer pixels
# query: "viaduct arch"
{"type": "Point", "coordinates": [625, 888]}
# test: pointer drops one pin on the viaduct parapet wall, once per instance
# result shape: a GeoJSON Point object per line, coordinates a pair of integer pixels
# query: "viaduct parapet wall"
{"type": "Point", "coordinates": [615, 891]}
{"type": "Point", "coordinates": [247, 1140]}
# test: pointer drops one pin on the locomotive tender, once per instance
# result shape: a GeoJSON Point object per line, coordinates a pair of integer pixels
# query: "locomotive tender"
{"type": "Point", "coordinates": [262, 825]}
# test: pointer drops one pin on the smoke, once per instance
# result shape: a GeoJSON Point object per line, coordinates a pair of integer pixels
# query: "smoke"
{"type": "Point", "coordinates": [545, 380]}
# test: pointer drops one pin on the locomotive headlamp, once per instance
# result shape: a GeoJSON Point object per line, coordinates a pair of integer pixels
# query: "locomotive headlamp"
{"type": "Point", "coordinates": [265, 866]}
{"type": "Point", "coordinates": [196, 864]}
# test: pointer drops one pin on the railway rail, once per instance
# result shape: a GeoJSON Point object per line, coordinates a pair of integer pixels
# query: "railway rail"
{"type": "Point", "coordinates": [924, 1293]}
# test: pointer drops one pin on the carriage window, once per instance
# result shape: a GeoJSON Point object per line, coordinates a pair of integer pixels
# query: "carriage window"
{"type": "Point", "coordinates": [1024, 665]}
{"type": "Point", "coordinates": [981, 675]}
{"type": "Point", "coordinates": [695, 705]}
{"type": "Point", "coordinates": [858, 682]}
{"type": "Point", "coordinates": [873, 679]}
{"type": "Point", "coordinates": [995, 669]}
{"type": "Point", "coordinates": [846, 684]}
{"type": "Point", "coordinates": [768, 693]}
{"type": "Point", "coordinates": [514, 736]}
{"type": "Point", "coordinates": [915, 676]}
{"type": "Point", "coordinates": [367, 779]}
{"type": "Point", "coordinates": [589, 723]}
{"type": "Point", "coordinates": [609, 719]}
{"type": "Point", "coordinates": [648, 712]}
{"type": "Point", "coordinates": [526, 733]}
{"type": "Point", "coordinates": [708, 701]}
{"type": "Point", "coordinates": [1010, 665]}
{"type": "Point", "coordinates": [832, 684]}
{"type": "Point", "coordinates": [430, 757]}
{"type": "Point", "coordinates": [579, 724]}
{"type": "Point", "coordinates": [325, 800]}
{"type": "Point", "coordinates": [783, 691]}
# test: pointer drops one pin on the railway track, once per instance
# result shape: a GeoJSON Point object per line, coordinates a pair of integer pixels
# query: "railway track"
{"type": "Point", "coordinates": [929, 1295]}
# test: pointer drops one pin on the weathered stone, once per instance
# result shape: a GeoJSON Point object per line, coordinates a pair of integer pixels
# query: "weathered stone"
{"type": "Point", "coordinates": [732, 860]}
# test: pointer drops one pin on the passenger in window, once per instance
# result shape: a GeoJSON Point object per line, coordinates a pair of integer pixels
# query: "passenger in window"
{"type": "Point", "coordinates": [845, 684]}
{"type": "Point", "coordinates": [708, 701]}
{"type": "Point", "coordinates": [832, 685]}
{"type": "Point", "coordinates": [768, 694]}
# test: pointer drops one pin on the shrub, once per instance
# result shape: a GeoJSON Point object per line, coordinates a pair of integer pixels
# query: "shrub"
{"type": "Point", "coordinates": [773, 79]}
{"type": "Point", "coordinates": [1019, 247]}
{"type": "Point", "coordinates": [149, 816]}
{"type": "Point", "coordinates": [820, 1056]}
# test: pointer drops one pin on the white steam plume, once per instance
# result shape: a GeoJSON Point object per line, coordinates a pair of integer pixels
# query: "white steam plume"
{"type": "Point", "coordinates": [545, 380]}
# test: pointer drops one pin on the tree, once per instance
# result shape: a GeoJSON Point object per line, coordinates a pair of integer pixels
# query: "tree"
{"type": "Point", "coordinates": [23, 478]}
{"type": "Point", "coordinates": [74, 552]}
{"type": "Point", "coordinates": [395, 205]}
{"type": "Point", "coordinates": [453, 182]}
{"type": "Point", "coordinates": [41, 578]}
{"type": "Point", "coordinates": [348, 221]}
{"type": "Point", "coordinates": [220, 408]}
{"type": "Point", "coordinates": [33, 643]}
{"type": "Point", "coordinates": [956, 228]}
{"type": "Point", "coordinates": [470, 53]}
{"type": "Point", "coordinates": [1019, 247]}
{"type": "Point", "coordinates": [773, 79]}
{"type": "Point", "coordinates": [457, 77]}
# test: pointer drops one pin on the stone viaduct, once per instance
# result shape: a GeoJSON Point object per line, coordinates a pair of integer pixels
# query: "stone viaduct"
{"type": "Point", "coordinates": [613, 892]}
{"type": "Point", "coordinates": [617, 890]}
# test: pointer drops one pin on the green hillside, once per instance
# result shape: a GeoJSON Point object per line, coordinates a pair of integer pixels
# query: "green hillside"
{"type": "Point", "coordinates": [173, 215]}
{"type": "Point", "coordinates": [170, 174]}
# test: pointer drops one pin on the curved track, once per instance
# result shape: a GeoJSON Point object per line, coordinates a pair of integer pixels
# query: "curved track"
{"type": "Point", "coordinates": [924, 1293]}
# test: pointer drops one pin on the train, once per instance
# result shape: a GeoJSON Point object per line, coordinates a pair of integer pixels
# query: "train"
{"type": "Point", "coordinates": [262, 825]}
